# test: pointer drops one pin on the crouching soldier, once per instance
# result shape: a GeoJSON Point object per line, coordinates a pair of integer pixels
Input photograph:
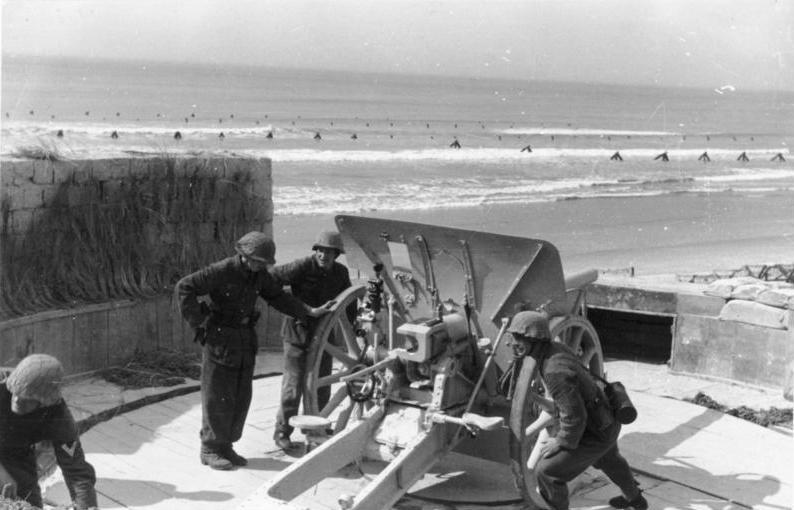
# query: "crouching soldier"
{"type": "Point", "coordinates": [32, 410]}
{"type": "Point", "coordinates": [225, 329]}
{"type": "Point", "coordinates": [587, 434]}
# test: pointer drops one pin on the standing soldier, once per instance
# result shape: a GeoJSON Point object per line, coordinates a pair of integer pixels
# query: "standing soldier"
{"type": "Point", "coordinates": [315, 279]}
{"type": "Point", "coordinates": [588, 432]}
{"type": "Point", "coordinates": [32, 410]}
{"type": "Point", "coordinates": [225, 329]}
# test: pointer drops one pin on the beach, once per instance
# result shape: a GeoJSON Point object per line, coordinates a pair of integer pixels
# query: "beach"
{"type": "Point", "coordinates": [535, 158]}
{"type": "Point", "coordinates": [679, 233]}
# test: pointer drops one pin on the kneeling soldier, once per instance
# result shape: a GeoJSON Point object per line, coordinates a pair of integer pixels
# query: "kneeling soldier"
{"type": "Point", "coordinates": [32, 410]}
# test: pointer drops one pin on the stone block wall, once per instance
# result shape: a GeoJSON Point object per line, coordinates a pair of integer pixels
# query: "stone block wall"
{"type": "Point", "coordinates": [91, 336]}
{"type": "Point", "coordinates": [28, 188]}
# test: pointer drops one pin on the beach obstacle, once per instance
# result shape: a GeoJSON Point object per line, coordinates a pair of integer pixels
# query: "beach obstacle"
{"type": "Point", "coordinates": [704, 157]}
{"type": "Point", "coordinates": [222, 136]}
{"type": "Point", "coordinates": [317, 136]}
{"type": "Point", "coordinates": [663, 157]}
{"type": "Point", "coordinates": [354, 136]}
{"type": "Point", "coordinates": [743, 157]}
{"type": "Point", "coordinates": [177, 136]}
{"type": "Point", "coordinates": [778, 157]}
{"type": "Point", "coordinates": [616, 156]}
{"type": "Point", "coordinates": [269, 135]}
{"type": "Point", "coordinates": [59, 134]}
{"type": "Point", "coordinates": [527, 149]}
{"type": "Point", "coordinates": [455, 144]}
{"type": "Point", "coordinates": [114, 135]}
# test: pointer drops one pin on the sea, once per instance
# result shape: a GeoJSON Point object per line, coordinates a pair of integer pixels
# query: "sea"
{"type": "Point", "coordinates": [343, 142]}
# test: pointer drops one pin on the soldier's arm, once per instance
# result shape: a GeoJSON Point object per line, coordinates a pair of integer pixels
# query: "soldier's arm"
{"type": "Point", "coordinates": [273, 292]}
{"type": "Point", "coordinates": [570, 406]}
{"type": "Point", "coordinates": [188, 290]}
{"type": "Point", "coordinates": [78, 474]}
{"type": "Point", "coordinates": [289, 273]}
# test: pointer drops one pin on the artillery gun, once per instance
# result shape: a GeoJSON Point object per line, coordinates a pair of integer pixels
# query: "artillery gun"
{"type": "Point", "coordinates": [417, 368]}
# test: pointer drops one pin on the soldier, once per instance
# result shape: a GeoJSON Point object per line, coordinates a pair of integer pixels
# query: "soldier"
{"type": "Point", "coordinates": [588, 431]}
{"type": "Point", "coordinates": [314, 279]}
{"type": "Point", "coordinates": [225, 329]}
{"type": "Point", "coordinates": [32, 410]}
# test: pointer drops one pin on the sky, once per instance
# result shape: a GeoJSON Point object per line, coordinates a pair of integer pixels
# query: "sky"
{"type": "Point", "coordinates": [745, 44]}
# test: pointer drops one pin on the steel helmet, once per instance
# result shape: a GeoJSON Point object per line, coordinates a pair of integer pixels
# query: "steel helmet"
{"type": "Point", "coordinates": [531, 324]}
{"type": "Point", "coordinates": [257, 246]}
{"type": "Point", "coordinates": [37, 377]}
{"type": "Point", "coordinates": [329, 239]}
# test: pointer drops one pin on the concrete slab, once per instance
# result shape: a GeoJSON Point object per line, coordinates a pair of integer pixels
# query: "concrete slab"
{"type": "Point", "coordinates": [687, 456]}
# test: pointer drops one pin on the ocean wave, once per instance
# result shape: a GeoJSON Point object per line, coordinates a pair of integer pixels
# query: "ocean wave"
{"type": "Point", "coordinates": [583, 132]}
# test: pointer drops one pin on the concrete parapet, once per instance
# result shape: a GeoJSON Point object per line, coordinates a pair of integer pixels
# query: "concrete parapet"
{"type": "Point", "coordinates": [699, 341]}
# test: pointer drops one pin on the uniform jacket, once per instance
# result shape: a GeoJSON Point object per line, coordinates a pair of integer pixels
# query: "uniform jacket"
{"type": "Point", "coordinates": [310, 282]}
{"type": "Point", "coordinates": [233, 290]}
{"type": "Point", "coordinates": [581, 403]}
{"type": "Point", "coordinates": [315, 286]}
{"type": "Point", "coordinates": [19, 433]}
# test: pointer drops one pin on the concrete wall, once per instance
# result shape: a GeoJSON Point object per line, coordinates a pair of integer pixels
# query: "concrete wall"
{"type": "Point", "coordinates": [96, 336]}
{"type": "Point", "coordinates": [731, 350]}
{"type": "Point", "coordinates": [700, 342]}
{"type": "Point", "coordinates": [99, 336]}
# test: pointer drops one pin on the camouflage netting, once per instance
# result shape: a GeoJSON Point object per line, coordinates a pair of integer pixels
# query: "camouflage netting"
{"type": "Point", "coordinates": [105, 240]}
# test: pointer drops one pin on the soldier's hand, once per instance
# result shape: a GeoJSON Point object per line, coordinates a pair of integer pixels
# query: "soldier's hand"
{"type": "Point", "coordinates": [322, 310]}
{"type": "Point", "coordinates": [9, 490]}
{"type": "Point", "coordinates": [551, 448]}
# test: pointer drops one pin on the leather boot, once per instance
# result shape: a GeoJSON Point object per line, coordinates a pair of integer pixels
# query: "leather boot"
{"type": "Point", "coordinates": [216, 461]}
{"type": "Point", "coordinates": [234, 457]}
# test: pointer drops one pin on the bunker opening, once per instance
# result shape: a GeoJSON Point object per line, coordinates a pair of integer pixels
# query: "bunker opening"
{"type": "Point", "coordinates": [633, 336]}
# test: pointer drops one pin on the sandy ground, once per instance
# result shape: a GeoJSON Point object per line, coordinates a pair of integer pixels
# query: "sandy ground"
{"type": "Point", "coordinates": [683, 233]}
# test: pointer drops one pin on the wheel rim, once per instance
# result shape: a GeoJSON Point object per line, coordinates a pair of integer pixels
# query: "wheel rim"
{"type": "Point", "coordinates": [345, 352]}
{"type": "Point", "coordinates": [577, 333]}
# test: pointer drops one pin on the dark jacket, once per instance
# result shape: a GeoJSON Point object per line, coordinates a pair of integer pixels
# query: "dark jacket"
{"type": "Point", "coordinates": [580, 401]}
{"type": "Point", "coordinates": [310, 282]}
{"type": "Point", "coordinates": [233, 290]}
{"type": "Point", "coordinates": [315, 286]}
{"type": "Point", "coordinates": [19, 433]}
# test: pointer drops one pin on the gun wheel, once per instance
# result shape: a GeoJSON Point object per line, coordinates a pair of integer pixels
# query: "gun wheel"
{"type": "Point", "coordinates": [577, 333]}
{"type": "Point", "coordinates": [334, 344]}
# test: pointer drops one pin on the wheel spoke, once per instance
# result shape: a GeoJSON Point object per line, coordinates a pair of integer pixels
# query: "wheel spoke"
{"type": "Point", "coordinates": [340, 355]}
{"type": "Point", "coordinates": [337, 398]}
{"type": "Point", "coordinates": [349, 335]}
{"type": "Point", "coordinates": [344, 416]}
{"type": "Point", "coordinates": [333, 378]}
{"type": "Point", "coordinates": [576, 339]}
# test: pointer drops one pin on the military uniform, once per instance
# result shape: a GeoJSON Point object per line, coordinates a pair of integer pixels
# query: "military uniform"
{"type": "Point", "coordinates": [588, 431]}
{"type": "Point", "coordinates": [315, 286]}
{"type": "Point", "coordinates": [226, 330]}
{"type": "Point", "coordinates": [18, 435]}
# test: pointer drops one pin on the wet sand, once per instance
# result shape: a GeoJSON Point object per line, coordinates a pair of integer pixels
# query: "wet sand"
{"type": "Point", "coordinates": [679, 233]}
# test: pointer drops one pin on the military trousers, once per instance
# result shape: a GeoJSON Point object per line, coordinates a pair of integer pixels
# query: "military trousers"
{"type": "Point", "coordinates": [554, 473]}
{"type": "Point", "coordinates": [227, 372]}
{"type": "Point", "coordinates": [293, 381]}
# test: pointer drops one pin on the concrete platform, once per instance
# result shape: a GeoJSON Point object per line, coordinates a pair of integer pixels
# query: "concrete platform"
{"type": "Point", "coordinates": [685, 456]}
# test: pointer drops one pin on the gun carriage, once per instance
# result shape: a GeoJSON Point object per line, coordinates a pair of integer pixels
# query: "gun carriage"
{"type": "Point", "coordinates": [418, 354]}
